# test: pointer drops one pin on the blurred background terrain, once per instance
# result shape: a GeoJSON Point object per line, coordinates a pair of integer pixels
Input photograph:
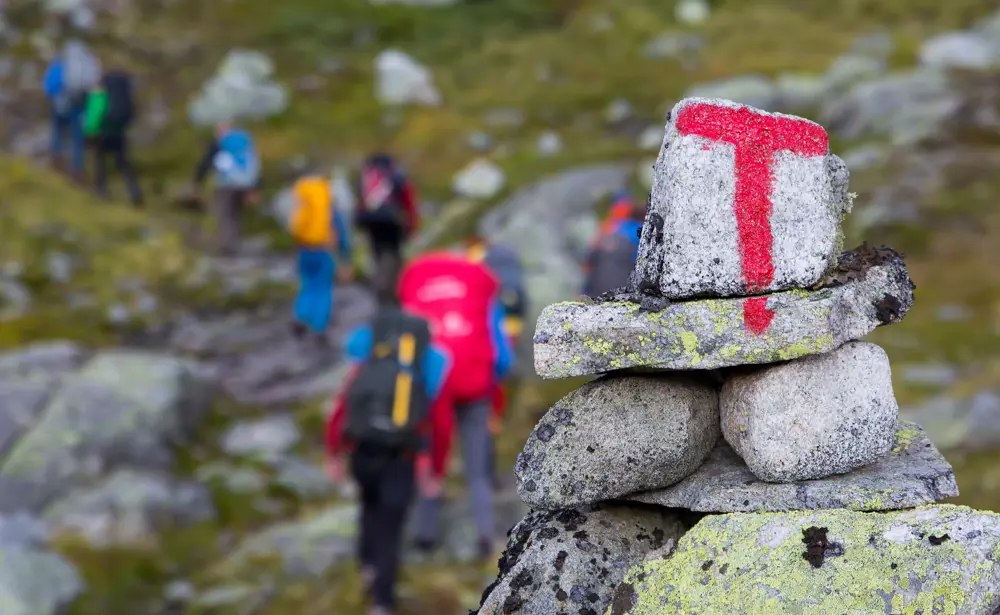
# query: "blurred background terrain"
{"type": "Point", "coordinates": [514, 117]}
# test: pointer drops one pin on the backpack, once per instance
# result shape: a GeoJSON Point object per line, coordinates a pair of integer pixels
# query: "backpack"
{"type": "Point", "coordinates": [380, 190]}
{"type": "Point", "coordinates": [456, 295]}
{"type": "Point", "coordinates": [312, 220]}
{"type": "Point", "coordinates": [506, 264]}
{"type": "Point", "coordinates": [387, 401]}
{"type": "Point", "coordinates": [121, 102]}
{"type": "Point", "coordinates": [236, 163]}
{"type": "Point", "coordinates": [78, 72]}
{"type": "Point", "coordinates": [612, 262]}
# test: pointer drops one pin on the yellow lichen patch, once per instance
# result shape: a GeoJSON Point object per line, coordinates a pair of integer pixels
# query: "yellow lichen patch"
{"type": "Point", "coordinates": [754, 564]}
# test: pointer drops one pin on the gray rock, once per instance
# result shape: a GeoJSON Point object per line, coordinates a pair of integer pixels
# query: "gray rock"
{"type": "Point", "coordinates": [571, 560]}
{"type": "Point", "coordinates": [962, 49]}
{"type": "Point", "coordinates": [618, 435]}
{"type": "Point", "coordinates": [36, 582]}
{"type": "Point", "coordinates": [813, 417]}
{"type": "Point", "coordinates": [618, 110]}
{"type": "Point", "coordinates": [913, 474]}
{"type": "Point", "coordinates": [59, 266]}
{"type": "Point", "coordinates": [242, 88]}
{"type": "Point", "coordinates": [480, 141]}
{"type": "Point", "coordinates": [401, 80]}
{"type": "Point", "coordinates": [121, 407]}
{"type": "Point", "coordinates": [936, 374]}
{"type": "Point", "coordinates": [751, 90]}
{"type": "Point", "coordinates": [21, 402]}
{"type": "Point", "coordinates": [307, 481]}
{"type": "Point", "coordinates": [549, 144]}
{"type": "Point", "coordinates": [15, 300]}
{"type": "Point", "coordinates": [906, 107]}
{"type": "Point", "coordinates": [800, 92]}
{"type": "Point", "coordinates": [129, 509]}
{"type": "Point", "coordinates": [692, 12]}
{"type": "Point", "coordinates": [267, 438]}
{"type": "Point", "coordinates": [960, 423]}
{"type": "Point", "coordinates": [651, 139]}
{"type": "Point", "coordinates": [850, 69]}
{"type": "Point", "coordinates": [698, 248]}
{"type": "Point", "coordinates": [303, 548]}
{"type": "Point", "coordinates": [480, 179]}
{"type": "Point", "coordinates": [864, 157]}
{"type": "Point", "coordinates": [671, 45]}
{"type": "Point", "coordinates": [577, 339]}
{"type": "Point", "coordinates": [936, 559]}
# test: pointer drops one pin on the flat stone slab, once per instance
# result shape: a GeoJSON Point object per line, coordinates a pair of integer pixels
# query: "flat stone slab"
{"type": "Point", "coordinates": [914, 474]}
{"type": "Point", "coordinates": [870, 287]}
{"type": "Point", "coordinates": [743, 202]}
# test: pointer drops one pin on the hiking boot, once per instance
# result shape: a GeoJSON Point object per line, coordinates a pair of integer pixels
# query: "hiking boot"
{"type": "Point", "coordinates": [297, 329]}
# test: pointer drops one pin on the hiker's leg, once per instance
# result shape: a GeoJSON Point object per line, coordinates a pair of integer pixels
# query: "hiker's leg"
{"type": "Point", "coordinates": [77, 143]}
{"type": "Point", "coordinates": [474, 437]}
{"type": "Point", "coordinates": [56, 138]}
{"type": "Point", "coordinates": [368, 488]}
{"type": "Point", "coordinates": [425, 522]}
{"type": "Point", "coordinates": [101, 168]}
{"type": "Point", "coordinates": [124, 165]}
{"type": "Point", "coordinates": [227, 212]}
{"type": "Point", "coordinates": [324, 291]}
{"type": "Point", "coordinates": [397, 492]}
{"type": "Point", "coordinates": [303, 300]}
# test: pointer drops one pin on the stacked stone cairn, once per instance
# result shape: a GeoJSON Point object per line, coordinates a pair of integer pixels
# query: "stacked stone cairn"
{"type": "Point", "coordinates": [739, 436]}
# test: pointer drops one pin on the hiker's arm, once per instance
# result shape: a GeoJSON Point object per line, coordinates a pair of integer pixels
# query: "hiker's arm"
{"type": "Point", "coordinates": [97, 106]}
{"type": "Point", "coordinates": [343, 236]}
{"type": "Point", "coordinates": [504, 355]}
{"type": "Point", "coordinates": [335, 424]}
{"type": "Point", "coordinates": [205, 164]}
{"type": "Point", "coordinates": [436, 365]}
{"type": "Point", "coordinates": [410, 207]}
{"type": "Point", "coordinates": [359, 344]}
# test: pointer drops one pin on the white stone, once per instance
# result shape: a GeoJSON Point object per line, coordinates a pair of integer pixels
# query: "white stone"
{"type": "Point", "coordinates": [401, 80]}
{"type": "Point", "coordinates": [814, 417]}
{"type": "Point", "coordinates": [480, 179]}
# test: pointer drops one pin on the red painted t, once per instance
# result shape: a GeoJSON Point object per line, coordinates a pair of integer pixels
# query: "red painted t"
{"type": "Point", "coordinates": [755, 138]}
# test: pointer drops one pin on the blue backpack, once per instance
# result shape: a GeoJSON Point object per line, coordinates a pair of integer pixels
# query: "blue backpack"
{"type": "Point", "coordinates": [237, 164]}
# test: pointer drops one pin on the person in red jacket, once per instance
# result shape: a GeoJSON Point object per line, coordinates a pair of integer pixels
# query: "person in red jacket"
{"type": "Point", "coordinates": [461, 301]}
{"type": "Point", "coordinates": [388, 212]}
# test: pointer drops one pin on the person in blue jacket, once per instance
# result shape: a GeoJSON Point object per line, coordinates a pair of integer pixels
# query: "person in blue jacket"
{"type": "Point", "coordinates": [612, 259]}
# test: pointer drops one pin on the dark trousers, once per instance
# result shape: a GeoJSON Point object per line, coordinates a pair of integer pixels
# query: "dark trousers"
{"type": "Point", "coordinates": [115, 146]}
{"type": "Point", "coordinates": [386, 241]}
{"type": "Point", "coordinates": [229, 203]}
{"type": "Point", "coordinates": [387, 484]}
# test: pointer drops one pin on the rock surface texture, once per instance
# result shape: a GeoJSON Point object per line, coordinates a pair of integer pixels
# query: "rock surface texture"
{"type": "Point", "coordinates": [937, 559]}
{"type": "Point", "coordinates": [618, 435]}
{"type": "Point", "coordinates": [812, 418]}
{"type": "Point", "coordinates": [912, 475]}
{"type": "Point", "coordinates": [743, 202]}
{"type": "Point", "coordinates": [570, 560]}
{"type": "Point", "coordinates": [869, 288]}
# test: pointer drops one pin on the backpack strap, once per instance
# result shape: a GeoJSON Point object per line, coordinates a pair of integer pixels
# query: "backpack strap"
{"type": "Point", "coordinates": [404, 379]}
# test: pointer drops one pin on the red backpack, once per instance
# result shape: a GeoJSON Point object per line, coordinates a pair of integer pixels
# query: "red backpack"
{"type": "Point", "coordinates": [455, 296]}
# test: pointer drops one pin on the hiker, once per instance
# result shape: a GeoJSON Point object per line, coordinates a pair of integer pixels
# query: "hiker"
{"type": "Point", "coordinates": [318, 229]}
{"type": "Point", "coordinates": [461, 299]}
{"type": "Point", "coordinates": [622, 206]}
{"type": "Point", "coordinates": [387, 213]}
{"type": "Point", "coordinates": [612, 259]}
{"type": "Point", "coordinates": [506, 265]}
{"type": "Point", "coordinates": [73, 72]}
{"type": "Point", "coordinates": [382, 420]}
{"type": "Point", "coordinates": [109, 113]}
{"type": "Point", "coordinates": [232, 156]}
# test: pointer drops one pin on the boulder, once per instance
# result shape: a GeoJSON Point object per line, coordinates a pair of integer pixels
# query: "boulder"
{"type": "Point", "coordinates": [401, 80]}
{"type": "Point", "coordinates": [129, 508]}
{"type": "Point", "coordinates": [268, 438]}
{"type": "Point", "coordinates": [33, 581]}
{"type": "Point", "coordinates": [120, 407]}
{"type": "Point", "coordinates": [962, 49]}
{"type": "Point", "coordinates": [754, 90]}
{"type": "Point", "coordinates": [937, 559]}
{"type": "Point", "coordinates": [570, 560]}
{"type": "Point", "coordinates": [480, 179]}
{"type": "Point", "coordinates": [813, 417]}
{"type": "Point", "coordinates": [618, 435]}
{"type": "Point", "coordinates": [743, 202]}
{"type": "Point", "coordinates": [912, 475]}
{"type": "Point", "coordinates": [241, 89]}
{"type": "Point", "coordinates": [870, 287]}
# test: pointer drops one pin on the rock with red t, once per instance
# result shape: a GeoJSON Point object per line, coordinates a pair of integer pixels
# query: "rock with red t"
{"type": "Point", "coordinates": [744, 202]}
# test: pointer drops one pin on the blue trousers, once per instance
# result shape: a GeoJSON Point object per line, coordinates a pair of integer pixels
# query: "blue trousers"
{"type": "Point", "coordinates": [68, 125]}
{"type": "Point", "coordinates": [315, 300]}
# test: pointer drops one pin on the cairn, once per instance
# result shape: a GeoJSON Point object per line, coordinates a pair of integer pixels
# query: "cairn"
{"type": "Point", "coordinates": [730, 373]}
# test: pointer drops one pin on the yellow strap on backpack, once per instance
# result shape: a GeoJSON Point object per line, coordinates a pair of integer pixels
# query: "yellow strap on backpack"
{"type": "Point", "coordinates": [404, 380]}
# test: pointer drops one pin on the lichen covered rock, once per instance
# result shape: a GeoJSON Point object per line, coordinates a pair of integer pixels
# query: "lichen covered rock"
{"type": "Point", "coordinates": [912, 475]}
{"type": "Point", "coordinates": [870, 287]}
{"type": "Point", "coordinates": [570, 560]}
{"type": "Point", "coordinates": [938, 559]}
{"type": "Point", "coordinates": [618, 435]}
{"type": "Point", "coordinates": [815, 417]}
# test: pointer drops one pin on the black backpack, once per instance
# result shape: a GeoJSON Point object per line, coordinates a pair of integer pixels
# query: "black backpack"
{"type": "Point", "coordinates": [121, 102]}
{"type": "Point", "coordinates": [611, 263]}
{"type": "Point", "coordinates": [380, 190]}
{"type": "Point", "coordinates": [387, 401]}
